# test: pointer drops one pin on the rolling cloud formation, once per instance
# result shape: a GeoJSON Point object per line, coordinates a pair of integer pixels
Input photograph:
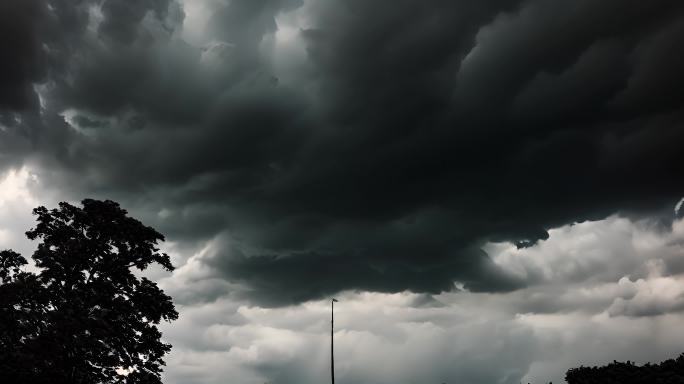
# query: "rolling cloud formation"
{"type": "Point", "coordinates": [348, 144]}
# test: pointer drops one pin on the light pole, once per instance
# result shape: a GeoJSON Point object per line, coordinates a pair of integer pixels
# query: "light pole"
{"type": "Point", "coordinates": [332, 349]}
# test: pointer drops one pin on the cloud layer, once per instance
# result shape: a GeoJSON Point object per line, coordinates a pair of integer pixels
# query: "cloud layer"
{"type": "Point", "coordinates": [629, 308]}
{"type": "Point", "coordinates": [595, 291]}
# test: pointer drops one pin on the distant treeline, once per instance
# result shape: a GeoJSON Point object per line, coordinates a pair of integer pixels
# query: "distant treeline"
{"type": "Point", "coordinates": [668, 372]}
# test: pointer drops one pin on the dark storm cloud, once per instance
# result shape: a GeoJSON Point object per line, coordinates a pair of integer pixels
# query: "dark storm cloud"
{"type": "Point", "coordinates": [21, 63]}
{"type": "Point", "coordinates": [276, 279]}
{"type": "Point", "coordinates": [412, 132]}
{"type": "Point", "coordinates": [122, 18]}
{"type": "Point", "coordinates": [43, 44]}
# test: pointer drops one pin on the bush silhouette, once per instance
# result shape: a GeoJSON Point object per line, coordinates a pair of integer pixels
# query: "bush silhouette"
{"type": "Point", "coordinates": [84, 317]}
{"type": "Point", "coordinates": [667, 372]}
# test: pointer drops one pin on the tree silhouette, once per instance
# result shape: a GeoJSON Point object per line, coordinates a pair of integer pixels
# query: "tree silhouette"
{"type": "Point", "coordinates": [670, 371]}
{"type": "Point", "coordinates": [84, 316]}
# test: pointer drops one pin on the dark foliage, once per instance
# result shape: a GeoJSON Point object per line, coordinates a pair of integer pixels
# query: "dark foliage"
{"type": "Point", "coordinates": [84, 315]}
{"type": "Point", "coordinates": [667, 372]}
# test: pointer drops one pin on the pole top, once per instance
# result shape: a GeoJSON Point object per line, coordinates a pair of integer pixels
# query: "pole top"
{"type": "Point", "coordinates": [334, 300]}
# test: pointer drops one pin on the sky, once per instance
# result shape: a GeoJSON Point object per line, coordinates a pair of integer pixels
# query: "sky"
{"type": "Point", "coordinates": [492, 189]}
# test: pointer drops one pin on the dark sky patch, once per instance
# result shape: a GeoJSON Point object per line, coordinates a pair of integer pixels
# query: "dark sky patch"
{"type": "Point", "coordinates": [22, 61]}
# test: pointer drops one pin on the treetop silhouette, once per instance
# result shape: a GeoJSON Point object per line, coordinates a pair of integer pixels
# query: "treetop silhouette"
{"type": "Point", "coordinates": [84, 316]}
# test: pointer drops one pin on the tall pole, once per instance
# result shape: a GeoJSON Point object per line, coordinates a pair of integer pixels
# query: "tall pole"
{"type": "Point", "coordinates": [332, 350]}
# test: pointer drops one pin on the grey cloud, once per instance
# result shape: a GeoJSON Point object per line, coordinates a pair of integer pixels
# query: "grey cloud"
{"type": "Point", "coordinates": [292, 342]}
{"type": "Point", "coordinates": [244, 23]}
{"type": "Point", "coordinates": [122, 18]}
{"type": "Point", "coordinates": [647, 309]}
{"type": "Point", "coordinates": [426, 301]}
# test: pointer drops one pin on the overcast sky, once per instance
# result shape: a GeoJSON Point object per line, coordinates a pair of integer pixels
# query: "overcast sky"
{"type": "Point", "coordinates": [493, 189]}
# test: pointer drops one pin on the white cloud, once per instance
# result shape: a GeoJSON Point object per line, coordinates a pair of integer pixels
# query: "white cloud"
{"type": "Point", "coordinates": [656, 295]}
{"type": "Point", "coordinates": [21, 190]}
{"type": "Point", "coordinates": [381, 338]}
{"type": "Point", "coordinates": [603, 250]}
{"type": "Point", "coordinates": [15, 187]}
{"type": "Point", "coordinates": [197, 16]}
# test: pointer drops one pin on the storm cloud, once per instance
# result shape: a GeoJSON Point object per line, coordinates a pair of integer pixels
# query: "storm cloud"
{"type": "Point", "coordinates": [341, 145]}
{"type": "Point", "coordinates": [493, 189]}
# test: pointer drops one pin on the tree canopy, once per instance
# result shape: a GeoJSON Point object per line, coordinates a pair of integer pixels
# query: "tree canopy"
{"type": "Point", "coordinates": [84, 316]}
{"type": "Point", "coordinates": [670, 371]}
